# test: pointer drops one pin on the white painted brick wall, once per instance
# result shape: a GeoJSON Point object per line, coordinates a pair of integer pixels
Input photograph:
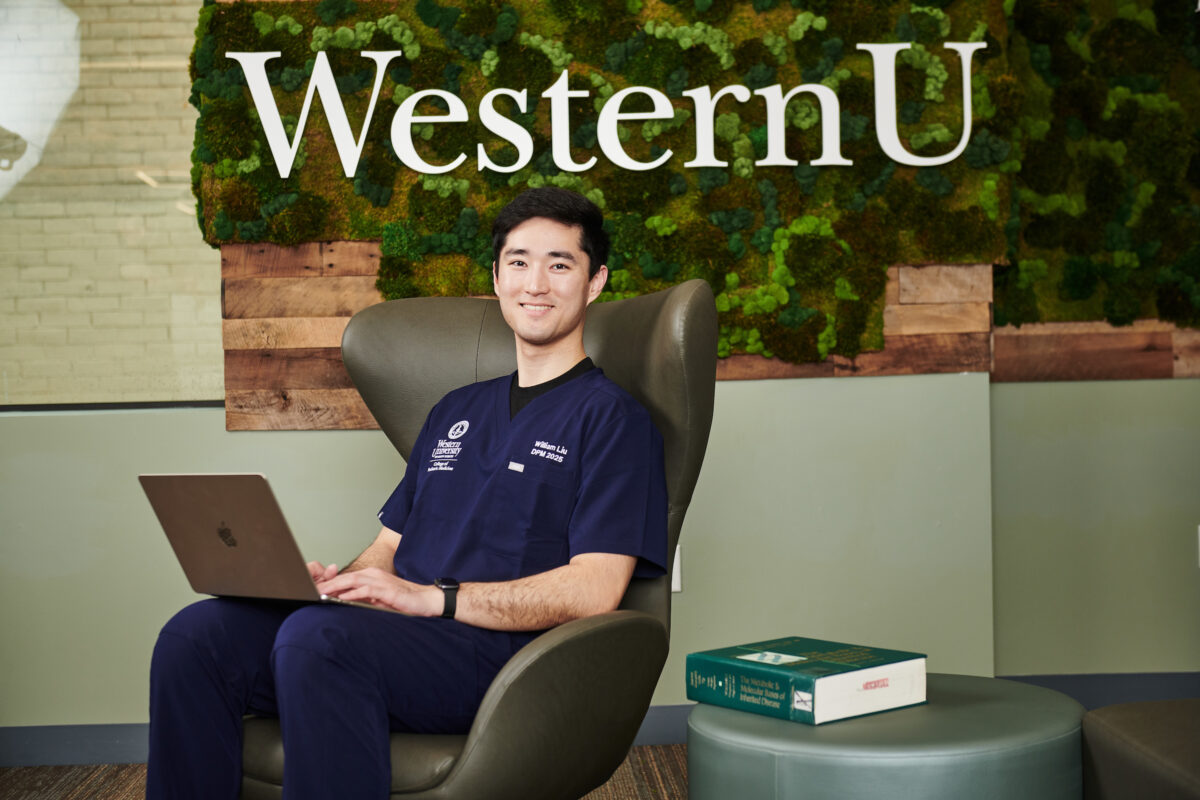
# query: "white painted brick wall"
{"type": "Point", "coordinates": [107, 291]}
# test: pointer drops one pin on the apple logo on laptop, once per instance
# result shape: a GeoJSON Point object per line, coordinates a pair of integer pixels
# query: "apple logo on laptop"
{"type": "Point", "coordinates": [226, 535]}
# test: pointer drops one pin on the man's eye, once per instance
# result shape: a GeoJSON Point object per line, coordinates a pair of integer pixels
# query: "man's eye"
{"type": "Point", "coordinates": [560, 267]}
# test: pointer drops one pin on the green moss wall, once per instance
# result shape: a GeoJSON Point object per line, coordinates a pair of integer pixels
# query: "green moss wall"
{"type": "Point", "coordinates": [1081, 179]}
{"type": "Point", "coordinates": [797, 255]}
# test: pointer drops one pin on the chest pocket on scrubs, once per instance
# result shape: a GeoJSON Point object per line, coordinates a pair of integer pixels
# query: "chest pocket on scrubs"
{"type": "Point", "coordinates": [537, 496]}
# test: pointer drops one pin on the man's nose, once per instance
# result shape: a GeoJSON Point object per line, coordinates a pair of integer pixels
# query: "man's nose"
{"type": "Point", "coordinates": [536, 281]}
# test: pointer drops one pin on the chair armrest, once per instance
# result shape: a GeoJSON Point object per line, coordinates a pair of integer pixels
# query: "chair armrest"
{"type": "Point", "coordinates": [561, 715]}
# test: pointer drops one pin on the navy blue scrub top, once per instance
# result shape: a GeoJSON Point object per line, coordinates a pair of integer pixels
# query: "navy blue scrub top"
{"type": "Point", "coordinates": [489, 498]}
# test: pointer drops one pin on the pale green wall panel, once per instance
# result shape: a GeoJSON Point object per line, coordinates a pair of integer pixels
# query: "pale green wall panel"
{"type": "Point", "coordinates": [86, 575]}
{"type": "Point", "coordinates": [855, 510]}
{"type": "Point", "coordinates": [844, 509]}
{"type": "Point", "coordinates": [859, 509]}
{"type": "Point", "coordinates": [1096, 505]}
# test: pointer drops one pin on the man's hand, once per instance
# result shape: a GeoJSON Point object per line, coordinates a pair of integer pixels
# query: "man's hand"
{"type": "Point", "coordinates": [591, 583]}
{"type": "Point", "coordinates": [378, 554]}
{"type": "Point", "coordinates": [320, 572]}
{"type": "Point", "coordinates": [385, 589]}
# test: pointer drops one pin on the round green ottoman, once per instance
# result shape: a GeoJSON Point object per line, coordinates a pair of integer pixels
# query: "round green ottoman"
{"type": "Point", "coordinates": [975, 739]}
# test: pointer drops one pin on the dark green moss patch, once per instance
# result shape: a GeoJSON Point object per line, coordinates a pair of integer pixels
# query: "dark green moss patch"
{"type": "Point", "coordinates": [1108, 112]}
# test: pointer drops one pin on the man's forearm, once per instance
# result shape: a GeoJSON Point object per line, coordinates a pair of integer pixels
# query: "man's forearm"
{"type": "Point", "coordinates": [591, 584]}
{"type": "Point", "coordinates": [380, 553]}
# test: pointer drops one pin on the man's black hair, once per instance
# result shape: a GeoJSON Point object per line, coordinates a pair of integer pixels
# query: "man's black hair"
{"type": "Point", "coordinates": [560, 205]}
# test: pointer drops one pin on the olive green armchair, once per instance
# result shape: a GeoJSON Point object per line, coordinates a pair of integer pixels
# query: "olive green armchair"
{"type": "Point", "coordinates": [562, 714]}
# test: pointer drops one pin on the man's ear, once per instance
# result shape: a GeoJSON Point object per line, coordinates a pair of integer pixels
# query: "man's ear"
{"type": "Point", "coordinates": [596, 283]}
{"type": "Point", "coordinates": [494, 277]}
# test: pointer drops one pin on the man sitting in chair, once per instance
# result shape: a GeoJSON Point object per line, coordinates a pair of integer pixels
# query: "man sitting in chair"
{"type": "Point", "coordinates": [528, 501]}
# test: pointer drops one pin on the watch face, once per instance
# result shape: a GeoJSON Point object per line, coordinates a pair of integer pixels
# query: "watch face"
{"type": "Point", "coordinates": [446, 583]}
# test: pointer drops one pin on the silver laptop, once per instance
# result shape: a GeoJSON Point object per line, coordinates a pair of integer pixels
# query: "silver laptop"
{"type": "Point", "coordinates": [230, 536]}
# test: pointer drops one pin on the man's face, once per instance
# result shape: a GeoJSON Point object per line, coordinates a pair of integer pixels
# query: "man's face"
{"type": "Point", "coordinates": [542, 281]}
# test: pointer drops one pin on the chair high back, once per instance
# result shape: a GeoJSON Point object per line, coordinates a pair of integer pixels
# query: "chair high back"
{"type": "Point", "coordinates": [405, 355]}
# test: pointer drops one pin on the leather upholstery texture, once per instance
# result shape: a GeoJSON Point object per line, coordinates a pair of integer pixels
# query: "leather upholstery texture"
{"type": "Point", "coordinates": [1145, 750]}
{"type": "Point", "coordinates": [561, 715]}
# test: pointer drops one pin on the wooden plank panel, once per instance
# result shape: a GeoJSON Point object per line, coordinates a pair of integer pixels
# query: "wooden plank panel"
{"type": "Point", "coordinates": [908, 320]}
{"type": "Point", "coordinates": [307, 260]}
{"type": "Point", "coordinates": [275, 334]}
{"type": "Point", "coordinates": [920, 355]}
{"type": "Point", "coordinates": [260, 259]}
{"type": "Point", "coordinates": [970, 283]}
{"type": "Point", "coordinates": [749, 368]}
{"type": "Point", "coordinates": [1083, 357]}
{"type": "Point", "coordinates": [301, 368]}
{"type": "Point", "coordinates": [350, 258]}
{"type": "Point", "coordinates": [891, 294]}
{"type": "Point", "coordinates": [1186, 348]}
{"type": "Point", "coordinates": [310, 260]}
{"type": "Point", "coordinates": [1079, 328]}
{"type": "Point", "coordinates": [296, 410]}
{"type": "Point", "coordinates": [253, 298]}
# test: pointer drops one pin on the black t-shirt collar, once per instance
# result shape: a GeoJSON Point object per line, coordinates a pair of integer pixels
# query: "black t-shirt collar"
{"type": "Point", "coordinates": [521, 396]}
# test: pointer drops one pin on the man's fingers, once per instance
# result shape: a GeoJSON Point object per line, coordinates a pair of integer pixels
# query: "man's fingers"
{"type": "Point", "coordinates": [338, 584]}
{"type": "Point", "coordinates": [319, 572]}
{"type": "Point", "coordinates": [365, 586]}
{"type": "Point", "coordinates": [360, 594]}
{"type": "Point", "coordinates": [363, 593]}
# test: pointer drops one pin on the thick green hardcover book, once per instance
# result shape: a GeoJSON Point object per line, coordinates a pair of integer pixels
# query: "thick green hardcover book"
{"type": "Point", "coordinates": [806, 680]}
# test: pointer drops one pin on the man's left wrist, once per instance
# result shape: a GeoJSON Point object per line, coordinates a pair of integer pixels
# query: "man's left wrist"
{"type": "Point", "coordinates": [448, 588]}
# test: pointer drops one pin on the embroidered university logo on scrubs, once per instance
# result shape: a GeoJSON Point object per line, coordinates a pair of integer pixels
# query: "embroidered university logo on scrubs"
{"type": "Point", "coordinates": [445, 452]}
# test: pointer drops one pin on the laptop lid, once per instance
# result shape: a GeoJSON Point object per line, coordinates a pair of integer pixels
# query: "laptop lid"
{"type": "Point", "coordinates": [230, 535]}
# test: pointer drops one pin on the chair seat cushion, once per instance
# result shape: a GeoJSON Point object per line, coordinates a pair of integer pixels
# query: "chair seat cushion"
{"type": "Point", "coordinates": [419, 761]}
{"type": "Point", "coordinates": [1144, 749]}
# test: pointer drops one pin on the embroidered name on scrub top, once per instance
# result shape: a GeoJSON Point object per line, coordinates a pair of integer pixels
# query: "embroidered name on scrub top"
{"type": "Point", "coordinates": [554, 452]}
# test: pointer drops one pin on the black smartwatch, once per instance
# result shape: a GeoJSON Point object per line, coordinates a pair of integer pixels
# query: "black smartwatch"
{"type": "Point", "coordinates": [449, 588]}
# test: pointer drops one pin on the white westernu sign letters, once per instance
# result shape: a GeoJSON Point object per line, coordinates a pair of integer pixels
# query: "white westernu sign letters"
{"type": "Point", "coordinates": [349, 147]}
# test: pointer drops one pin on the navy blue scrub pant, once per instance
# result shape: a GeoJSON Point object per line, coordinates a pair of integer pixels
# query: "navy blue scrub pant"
{"type": "Point", "coordinates": [339, 678]}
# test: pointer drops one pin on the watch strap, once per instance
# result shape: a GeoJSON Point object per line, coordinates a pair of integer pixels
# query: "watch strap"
{"type": "Point", "coordinates": [449, 588]}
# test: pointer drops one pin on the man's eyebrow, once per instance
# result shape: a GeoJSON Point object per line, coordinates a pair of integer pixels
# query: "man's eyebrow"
{"type": "Point", "coordinates": [521, 251]}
